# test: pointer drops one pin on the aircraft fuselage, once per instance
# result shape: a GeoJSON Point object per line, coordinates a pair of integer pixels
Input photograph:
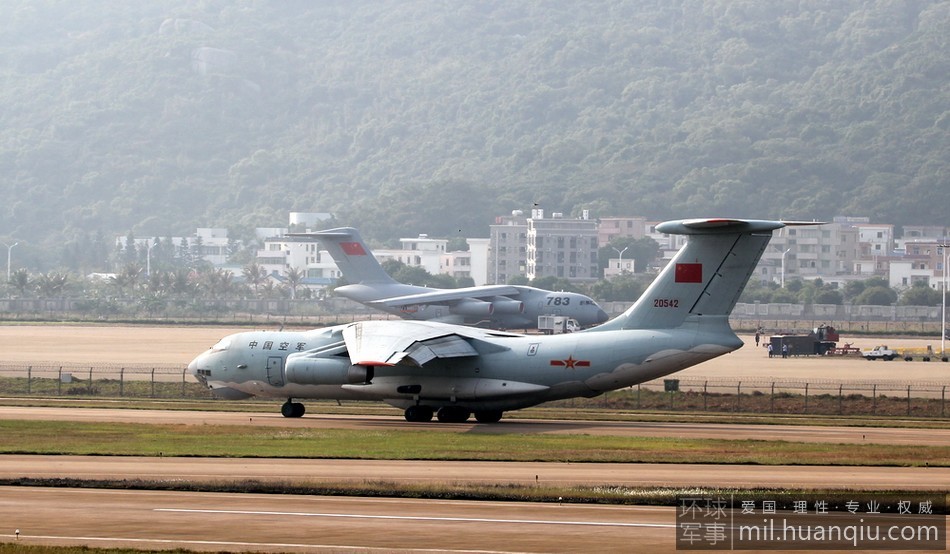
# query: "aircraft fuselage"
{"type": "Point", "coordinates": [548, 367]}
{"type": "Point", "coordinates": [516, 311]}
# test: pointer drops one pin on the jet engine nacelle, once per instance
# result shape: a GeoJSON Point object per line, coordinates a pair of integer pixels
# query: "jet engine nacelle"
{"type": "Point", "coordinates": [317, 371]}
{"type": "Point", "coordinates": [356, 374]}
{"type": "Point", "coordinates": [507, 306]}
{"type": "Point", "coordinates": [478, 308]}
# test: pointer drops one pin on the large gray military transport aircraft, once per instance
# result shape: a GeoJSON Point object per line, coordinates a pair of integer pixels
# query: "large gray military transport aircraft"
{"type": "Point", "coordinates": [452, 371]}
{"type": "Point", "coordinates": [495, 306]}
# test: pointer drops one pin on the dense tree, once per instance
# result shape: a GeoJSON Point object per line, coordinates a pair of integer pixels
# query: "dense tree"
{"type": "Point", "coordinates": [133, 116]}
{"type": "Point", "coordinates": [876, 296]}
{"type": "Point", "coordinates": [643, 251]}
{"type": "Point", "coordinates": [921, 295]}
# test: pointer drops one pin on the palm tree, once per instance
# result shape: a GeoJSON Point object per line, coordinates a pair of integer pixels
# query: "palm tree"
{"type": "Point", "coordinates": [294, 278]}
{"type": "Point", "coordinates": [181, 283]}
{"type": "Point", "coordinates": [51, 284]}
{"type": "Point", "coordinates": [127, 278]}
{"type": "Point", "coordinates": [254, 274]}
{"type": "Point", "coordinates": [217, 282]}
{"type": "Point", "coordinates": [20, 280]}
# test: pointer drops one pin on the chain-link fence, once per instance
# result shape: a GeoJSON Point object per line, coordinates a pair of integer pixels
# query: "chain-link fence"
{"type": "Point", "coordinates": [788, 396]}
{"type": "Point", "coordinates": [769, 396]}
{"type": "Point", "coordinates": [131, 381]}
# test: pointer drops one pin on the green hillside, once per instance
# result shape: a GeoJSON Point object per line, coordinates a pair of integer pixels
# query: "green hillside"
{"type": "Point", "coordinates": [424, 116]}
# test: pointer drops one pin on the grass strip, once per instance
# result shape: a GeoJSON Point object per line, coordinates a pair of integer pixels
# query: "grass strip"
{"type": "Point", "coordinates": [134, 439]}
{"type": "Point", "coordinates": [542, 413]}
{"type": "Point", "coordinates": [509, 492]}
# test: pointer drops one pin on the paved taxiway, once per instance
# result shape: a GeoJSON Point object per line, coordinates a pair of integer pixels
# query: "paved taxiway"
{"type": "Point", "coordinates": [790, 433]}
{"type": "Point", "coordinates": [317, 471]}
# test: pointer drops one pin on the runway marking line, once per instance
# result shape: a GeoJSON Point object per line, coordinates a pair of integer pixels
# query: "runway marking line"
{"type": "Point", "coordinates": [24, 539]}
{"type": "Point", "coordinates": [420, 518]}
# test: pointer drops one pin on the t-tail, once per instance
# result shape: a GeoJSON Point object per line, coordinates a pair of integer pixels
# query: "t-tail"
{"type": "Point", "coordinates": [352, 256]}
{"type": "Point", "coordinates": [703, 281]}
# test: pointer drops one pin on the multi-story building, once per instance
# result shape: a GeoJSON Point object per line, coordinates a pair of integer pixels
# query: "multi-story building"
{"type": "Point", "coordinates": [471, 263]}
{"type": "Point", "coordinates": [562, 247]}
{"type": "Point", "coordinates": [924, 233]}
{"type": "Point", "coordinates": [281, 253]}
{"type": "Point", "coordinates": [508, 248]}
{"type": "Point", "coordinates": [212, 243]}
{"type": "Point", "coordinates": [421, 251]}
{"type": "Point", "coordinates": [921, 262]}
{"type": "Point", "coordinates": [620, 227]}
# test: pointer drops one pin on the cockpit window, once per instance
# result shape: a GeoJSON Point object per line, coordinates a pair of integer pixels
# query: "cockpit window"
{"type": "Point", "coordinates": [223, 344]}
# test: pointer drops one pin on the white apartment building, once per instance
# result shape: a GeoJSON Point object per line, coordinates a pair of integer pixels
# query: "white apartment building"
{"type": "Point", "coordinates": [562, 247]}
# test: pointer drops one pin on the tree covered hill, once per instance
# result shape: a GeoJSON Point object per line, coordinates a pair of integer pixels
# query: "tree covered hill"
{"type": "Point", "coordinates": [428, 116]}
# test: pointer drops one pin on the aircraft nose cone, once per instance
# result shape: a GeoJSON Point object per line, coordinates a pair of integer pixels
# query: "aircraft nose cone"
{"type": "Point", "coordinates": [193, 368]}
{"type": "Point", "coordinates": [602, 316]}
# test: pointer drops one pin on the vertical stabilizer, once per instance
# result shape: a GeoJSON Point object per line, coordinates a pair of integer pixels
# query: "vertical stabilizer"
{"type": "Point", "coordinates": [705, 278]}
{"type": "Point", "coordinates": [352, 256]}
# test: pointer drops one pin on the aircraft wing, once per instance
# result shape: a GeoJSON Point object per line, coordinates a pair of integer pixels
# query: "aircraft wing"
{"type": "Point", "coordinates": [407, 342]}
{"type": "Point", "coordinates": [447, 296]}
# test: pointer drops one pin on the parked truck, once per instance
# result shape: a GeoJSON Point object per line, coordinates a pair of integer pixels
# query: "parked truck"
{"type": "Point", "coordinates": [557, 324]}
{"type": "Point", "coordinates": [880, 353]}
{"type": "Point", "coordinates": [820, 341]}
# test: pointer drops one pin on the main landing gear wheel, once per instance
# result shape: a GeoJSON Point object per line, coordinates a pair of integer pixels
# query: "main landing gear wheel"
{"type": "Point", "coordinates": [419, 413]}
{"type": "Point", "coordinates": [488, 416]}
{"type": "Point", "coordinates": [453, 414]}
{"type": "Point", "coordinates": [292, 409]}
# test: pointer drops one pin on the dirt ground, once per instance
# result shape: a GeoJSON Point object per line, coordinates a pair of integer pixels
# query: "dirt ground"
{"type": "Point", "coordinates": [178, 345]}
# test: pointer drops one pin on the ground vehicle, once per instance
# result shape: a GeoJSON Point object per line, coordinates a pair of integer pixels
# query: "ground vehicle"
{"type": "Point", "coordinates": [820, 341]}
{"type": "Point", "coordinates": [557, 324]}
{"type": "Point", "coordinates": [880, 353]}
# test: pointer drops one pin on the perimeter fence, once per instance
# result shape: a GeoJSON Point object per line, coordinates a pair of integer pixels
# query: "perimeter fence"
{"type": "Point", "coordinates": [103, 380]}
{"type": "Point", "coordinates": [925, 399]}
{"type": "Point", "coordinates": [785, 396]}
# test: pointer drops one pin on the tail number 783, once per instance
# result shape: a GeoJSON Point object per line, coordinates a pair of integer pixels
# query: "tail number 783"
{"type": "Point", "coordinates": [666, 303]}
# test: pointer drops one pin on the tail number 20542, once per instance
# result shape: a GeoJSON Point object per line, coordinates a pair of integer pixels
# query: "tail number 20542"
{"type": "Point", "coordinates": [666, 303]}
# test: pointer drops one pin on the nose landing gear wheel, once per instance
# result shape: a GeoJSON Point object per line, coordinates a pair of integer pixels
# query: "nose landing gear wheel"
{"type": "Point", "coordinates": [418, 413]}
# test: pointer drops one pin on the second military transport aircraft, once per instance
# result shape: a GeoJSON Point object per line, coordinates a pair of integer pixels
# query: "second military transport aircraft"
{"type": "Point", "coordinates": [495, 306]}
{"type": "Point", "coordinates": [427, 367]}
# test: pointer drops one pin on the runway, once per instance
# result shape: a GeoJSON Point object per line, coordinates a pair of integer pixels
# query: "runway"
{"type": "Point", "coordinates": [292, 523]}
{"type": "Point", "coordinates": [728, 431]}
{"type": "Point", "coordinates": [288, 523]}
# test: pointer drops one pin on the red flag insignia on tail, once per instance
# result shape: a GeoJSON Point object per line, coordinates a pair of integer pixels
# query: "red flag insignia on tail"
{"type": "Point", "coordinates": [352, 249]}
{"type": "Point", "coordinates": [689, 273]}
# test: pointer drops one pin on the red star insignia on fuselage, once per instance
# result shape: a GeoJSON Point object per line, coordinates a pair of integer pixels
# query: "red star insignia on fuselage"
{"type": "Point", "coordinates": [571, 363]}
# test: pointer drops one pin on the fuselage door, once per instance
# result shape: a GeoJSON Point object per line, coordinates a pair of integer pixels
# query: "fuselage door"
{"type": "Point", "coordinates": [275, 371]}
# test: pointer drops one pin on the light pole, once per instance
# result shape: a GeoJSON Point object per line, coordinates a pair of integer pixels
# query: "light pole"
{"type": "Point", "coordinates": [148, 259]}
{"type": "Point", "coordinates": [782, 282]}
{"type": "Point", "coordinates": [943, 304]}
{"type": "Point", "coordinates": [9, 254]}
{"type": "Point", "coordinates": [620, 253]}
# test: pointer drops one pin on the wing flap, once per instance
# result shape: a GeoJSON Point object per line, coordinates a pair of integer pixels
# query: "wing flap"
{"type": "Point", "coordinates": [405, 342]}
